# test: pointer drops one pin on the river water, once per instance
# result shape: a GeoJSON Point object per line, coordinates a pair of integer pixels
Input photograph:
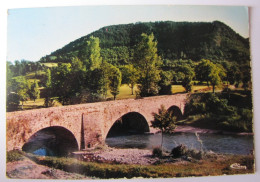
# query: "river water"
{"type": "Point", "coordinates": [218, 143]}
{"type": "Point", "coordinates": [46, 143]}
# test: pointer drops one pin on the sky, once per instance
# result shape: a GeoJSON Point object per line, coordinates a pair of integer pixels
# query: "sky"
{"type": "Point", "coordinates": [35, 32]}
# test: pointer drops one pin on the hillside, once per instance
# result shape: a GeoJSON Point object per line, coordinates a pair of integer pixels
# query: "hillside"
{"type": "Point", "coordinates": [176, 40]}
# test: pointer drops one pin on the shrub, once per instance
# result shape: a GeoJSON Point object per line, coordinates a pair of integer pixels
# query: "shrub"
{"type": "Point", "coordinates": [157, 152]}
{"type": "Point", "coordinates": [14, 155]}
{"type": "Point", "coordinates": [196, 154]}
{"type": "Point", "coordinates": [179, 151]}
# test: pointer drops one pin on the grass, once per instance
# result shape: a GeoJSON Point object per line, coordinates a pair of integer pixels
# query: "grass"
{"type": "Point", "coordinates": [212, 165]}
{"type": "Point", "coordinates": [15, 155]}
{"type": "Point", "coordinates": [124, 93]}
{"type": "Point", "coordinates": [50, 65]}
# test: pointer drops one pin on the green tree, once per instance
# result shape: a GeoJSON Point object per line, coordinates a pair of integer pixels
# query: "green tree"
{"type": "Point", "coordinates": [217, 73]}
{"type": "Point", "coordinates": [35, 92]}
{"type": "Point", "coordinates": [165, 83]}
{"type": "Point", "coordinates": [210, 72]}
{"type": "Point", "coordinates": [93, 59]}
{"type": "Point", "coordinates": [61, 82]}
{"type": "Point", "coordinates": [188, 76]}
{"type": "Point", "coordinates": [203, 70]}
{"type": "Point", "coordinates": [147, 63]}
{"type": "Point", "coordinates": [115, 78]}
{"type": "Point", "coordinates": [21, 87]}
{"type": "Point", "coordinates": [48, 88]}
{"type": "Point", "coordinates": [129, 76]}
{"type": "Point", "coordinates": [165, 121]}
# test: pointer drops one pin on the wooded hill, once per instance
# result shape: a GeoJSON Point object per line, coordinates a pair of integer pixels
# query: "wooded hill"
{"type": "Point", "coordinates": [176, 40]}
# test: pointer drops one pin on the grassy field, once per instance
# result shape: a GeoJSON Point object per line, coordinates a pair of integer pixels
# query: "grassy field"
{"type": "Point", "coordinates": [124, 93]}
{"type": "Point", "coordinates": [50, 65]}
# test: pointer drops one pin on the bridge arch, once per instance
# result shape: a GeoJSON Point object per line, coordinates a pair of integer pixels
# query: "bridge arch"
{"type": "Point", "coordinates": [129, 123]}
{"type": "Point", "coordinates": [54, 140]}
{"type": "Point", "coordinates": [176, 111]}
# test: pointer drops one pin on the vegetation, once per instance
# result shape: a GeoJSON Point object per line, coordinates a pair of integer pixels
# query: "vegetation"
{"type": "Point", "coordinates": [152, 59]}
{"type": "Point", "coordinates": [210, 165]}
{"type": "Point", "coordinates": [157, 152]}
{"type": "Point", "coordinates": [225, 111]}
{"type": "Point", "coordinates": [176, 40]}
{"type": "Point", "coordinates": [165, 121]}
{"type": "Point", "coordinates": [147, 63]}
{"type": "Point", "coordinates": [15, 155]}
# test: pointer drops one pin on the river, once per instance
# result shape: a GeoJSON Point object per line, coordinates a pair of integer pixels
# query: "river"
{"type": "Point", "coordinates": [46, 143]}
{"type": "Point", "coordinates": [218, 143]}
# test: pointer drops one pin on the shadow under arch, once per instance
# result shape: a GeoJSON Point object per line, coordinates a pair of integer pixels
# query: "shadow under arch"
{"type": "Point", "coordinates": [51, 141]}
{"type": "Point", "coordinates": [176, 112]}
{"type": "Point", "coordinates": [129, 123]}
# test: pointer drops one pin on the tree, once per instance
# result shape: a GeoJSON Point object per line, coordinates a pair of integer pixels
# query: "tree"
{"type": "Point", "coordinates": [165, 121]}
{"type": "Point", "coordinates": [21, 86]}
{"type": "Point", "coordinates": [217, 73]}
{"type": "Point", "coordinates": [115, 78]}
{"type": "Point", "coordinates": [203, 70]}
{"type": "Point", "coordinates": [210, 72]}
{"type": "Point", "coordinates": [61, 82]}
{"type": "Point", "coordinates": [129, 76]}
{"type": "Point", "coordinates": [165, 83]}
{"type": "Point", "coordinates": [35, 92]}
{"type": "Point", "coordinates": [188, 76]}
{"type": "Point", "coordinates": [48, 87]}
{"type": "Point", "coordinates": [93, 59]}
{"type": "Point", "coordinates": [147, 62]}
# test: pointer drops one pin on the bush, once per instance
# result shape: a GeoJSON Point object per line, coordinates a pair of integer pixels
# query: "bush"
{"type": "Point", "coordinates": [157, 152]}
{"type": "Point", "coordinates": [14, 155]}
{"type": "Point", "coordinates": [179, 151]}
{"type": "Point", "coordinates": [196, 154]}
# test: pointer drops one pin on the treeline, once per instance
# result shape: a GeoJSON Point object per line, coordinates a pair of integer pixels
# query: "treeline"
{"type": "Point", "coordinates": [176, 40]}
{"type": "Point", "coordinates": [88, 78]}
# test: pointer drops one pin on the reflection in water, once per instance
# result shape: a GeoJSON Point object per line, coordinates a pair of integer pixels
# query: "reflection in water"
{"type": "Point", "coordinates": [219, 143]}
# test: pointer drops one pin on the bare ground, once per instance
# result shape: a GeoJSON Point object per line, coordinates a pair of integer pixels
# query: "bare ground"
{"type": "Point", "coordinates": [28, 169]}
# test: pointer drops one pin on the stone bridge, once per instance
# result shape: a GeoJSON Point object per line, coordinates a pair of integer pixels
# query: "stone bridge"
{"type": "Point", "coordinates": [87, 124]}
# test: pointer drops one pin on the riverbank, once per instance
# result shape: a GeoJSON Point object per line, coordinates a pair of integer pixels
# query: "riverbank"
{"type": "Point", "coordinates": [118, 156]}
{"type": "Point", "coordinates": [39, 167]}
{"type": "Point", "coordinates": [28, 169]}
{"type": "Point", "coordinates": [192, 129]}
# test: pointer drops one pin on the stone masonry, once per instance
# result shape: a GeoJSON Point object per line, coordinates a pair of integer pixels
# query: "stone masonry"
{"type": "Point", "coordinates": [95, 118]}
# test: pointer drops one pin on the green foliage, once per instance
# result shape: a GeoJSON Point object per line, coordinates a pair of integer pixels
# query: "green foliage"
{"type": "Point", "coordinates": [12, 101]}
{"type": "Point", "coordinates": [92, 58]}
{"type": "Point", "coordinates": [146, 62]}
{"type": "Point", "coordinates": [60, 82]}
{"type": "Point", "coordinates": [164, 120]}
{"type": "Point", "coordinates": [179, 151]}
{"type": "Point", "coordinates": [157, 152]}
{"type": "Point", "coordinates": [34, 91]}
{"type": "Point", "coordinates": [115, 78]}
{"type": "Point", "coordinates": [176, 40]}
{"type": "Point", "coordinates": [210, 72]}
{"type": "Point", "coordinates": [220, 111]}
{"type": "Point", "coordinates": [165, 83]}
{"type": "Point", "coordinates": [14, 155]}
{"type": "Point", "coordinates": [129, 76]}
{"type": "Point", "coordinates": [189, 74]}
